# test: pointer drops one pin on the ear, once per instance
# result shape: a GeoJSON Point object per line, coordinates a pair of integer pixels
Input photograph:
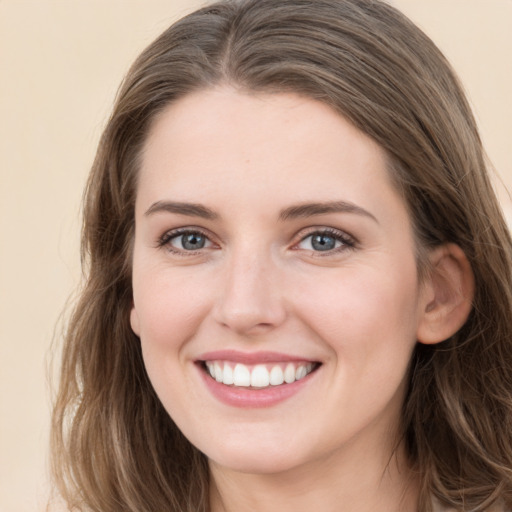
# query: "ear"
{"type": "Point", "coordinates": [447, 294]}
{"type": "Point", "coordinates": [134, 321]}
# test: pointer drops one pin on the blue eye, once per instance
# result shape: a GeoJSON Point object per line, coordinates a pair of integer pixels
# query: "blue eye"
{"type": "Point", "coordinates": [191, 241]}
{"type": "Point", "coordinates": [325, 241]}
{"type": "Point", "coordinates": [185, 241]}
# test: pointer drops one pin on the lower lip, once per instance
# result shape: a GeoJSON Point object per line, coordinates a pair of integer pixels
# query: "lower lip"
{"type": "Point", "coordinates": [255, 398]}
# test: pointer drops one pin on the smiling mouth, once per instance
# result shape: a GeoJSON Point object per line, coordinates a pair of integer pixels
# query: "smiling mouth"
{"type": "Point", "coordinates": [259, 376]}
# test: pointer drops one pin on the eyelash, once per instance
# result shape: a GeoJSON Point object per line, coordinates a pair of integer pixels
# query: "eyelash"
{"type": "Point", "coordinates": [347, 242]}
{"type": "Point", "coordinates": [166, 239]}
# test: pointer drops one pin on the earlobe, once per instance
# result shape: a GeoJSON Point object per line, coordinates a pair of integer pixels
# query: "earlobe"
{"type": "Point", "coordinates": [448, 294]}
{"type": "Point", "coordinates": [134, 321]}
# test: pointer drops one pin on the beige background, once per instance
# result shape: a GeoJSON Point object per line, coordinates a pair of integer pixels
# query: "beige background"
{"type": "Point", "coordinates": [60, 64]}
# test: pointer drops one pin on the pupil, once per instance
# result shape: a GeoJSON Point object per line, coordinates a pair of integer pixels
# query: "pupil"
{"type": "Point", "coordinates": [193, 241]}
{"type": "Point", "coordinates": [323, 242]}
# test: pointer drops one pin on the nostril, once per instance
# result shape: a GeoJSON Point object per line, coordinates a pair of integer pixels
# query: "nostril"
{"type": "Point", "coordinates": [250, 300]}
{"type": "Point", "coordinates": [250, 316]}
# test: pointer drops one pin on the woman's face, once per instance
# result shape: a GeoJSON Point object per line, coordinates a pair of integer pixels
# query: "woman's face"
{"type": "Point", "coordinates": [272, 252]}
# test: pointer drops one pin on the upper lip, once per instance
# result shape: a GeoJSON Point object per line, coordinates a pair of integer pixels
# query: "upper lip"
{"type": "Point", "coordinates": [252, 357]}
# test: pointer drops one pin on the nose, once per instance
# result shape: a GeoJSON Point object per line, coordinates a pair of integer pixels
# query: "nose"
{"type": "Point", "coordinates": [251, 299]}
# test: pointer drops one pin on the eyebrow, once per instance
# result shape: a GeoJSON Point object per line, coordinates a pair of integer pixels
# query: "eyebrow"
{"type": "Point", "coordinates": [292, 212]}
{"type": "Point", "coordinates": [312, 209]}
{"type": "Point", "coordinates": [189, 209]}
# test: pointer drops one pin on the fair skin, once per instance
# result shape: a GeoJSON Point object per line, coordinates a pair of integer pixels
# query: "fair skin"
{"type": "Point", "coordinates": [269, 235]}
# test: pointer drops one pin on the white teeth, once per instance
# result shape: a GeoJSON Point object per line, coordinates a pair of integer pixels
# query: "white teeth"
{"type": "Point", "coordinates": [276, 376]}
{"type": "Point", "coordinates": [300, 373]}
{"type": "Point", "coordinates": [241, 376]}
{"type": "Point", "coordinates": [258, 376]}
{"type": "Point", "coordinates": [289, 373]}
{"type": "Point", "coordinates": [228, 375]}
{"type": "Point", "coordinates": [218, 371]}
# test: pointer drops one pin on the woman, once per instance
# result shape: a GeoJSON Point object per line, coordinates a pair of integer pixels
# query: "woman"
{"type": "Point", "coordinates": [298, 277]}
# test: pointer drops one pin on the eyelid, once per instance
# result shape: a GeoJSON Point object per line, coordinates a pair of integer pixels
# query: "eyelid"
{"type": "Point", "coordinates": [165, 239]}
{"type": "Point", "coordinates": [348, 241]}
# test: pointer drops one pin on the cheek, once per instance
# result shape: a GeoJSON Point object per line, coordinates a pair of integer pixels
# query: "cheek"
{"type": "Point", "coordinates": [166, 302]}
{"type": "Point", "coordinates": [367, 290]}
{"type": "Point", "coordinates": [367, 315]}
{"type": "Point", "coordinates": [168, 310]}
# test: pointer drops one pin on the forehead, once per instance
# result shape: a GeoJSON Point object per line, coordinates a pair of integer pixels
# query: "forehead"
{"type": "Point", "coordinates": [280, 146]}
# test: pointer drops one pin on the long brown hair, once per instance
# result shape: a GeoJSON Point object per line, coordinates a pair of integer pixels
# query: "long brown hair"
{"type": "Point", "coordinates": [114, 446]}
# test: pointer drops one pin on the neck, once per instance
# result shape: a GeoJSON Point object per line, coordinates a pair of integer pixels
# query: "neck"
{"type": "Point", "coordinates": [335, 483]}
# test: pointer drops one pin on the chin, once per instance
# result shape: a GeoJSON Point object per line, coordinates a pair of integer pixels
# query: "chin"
{"type": "Point", "coordinates": [256, 457]}
{"type": "Point", "coordinates": [256, 463]}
